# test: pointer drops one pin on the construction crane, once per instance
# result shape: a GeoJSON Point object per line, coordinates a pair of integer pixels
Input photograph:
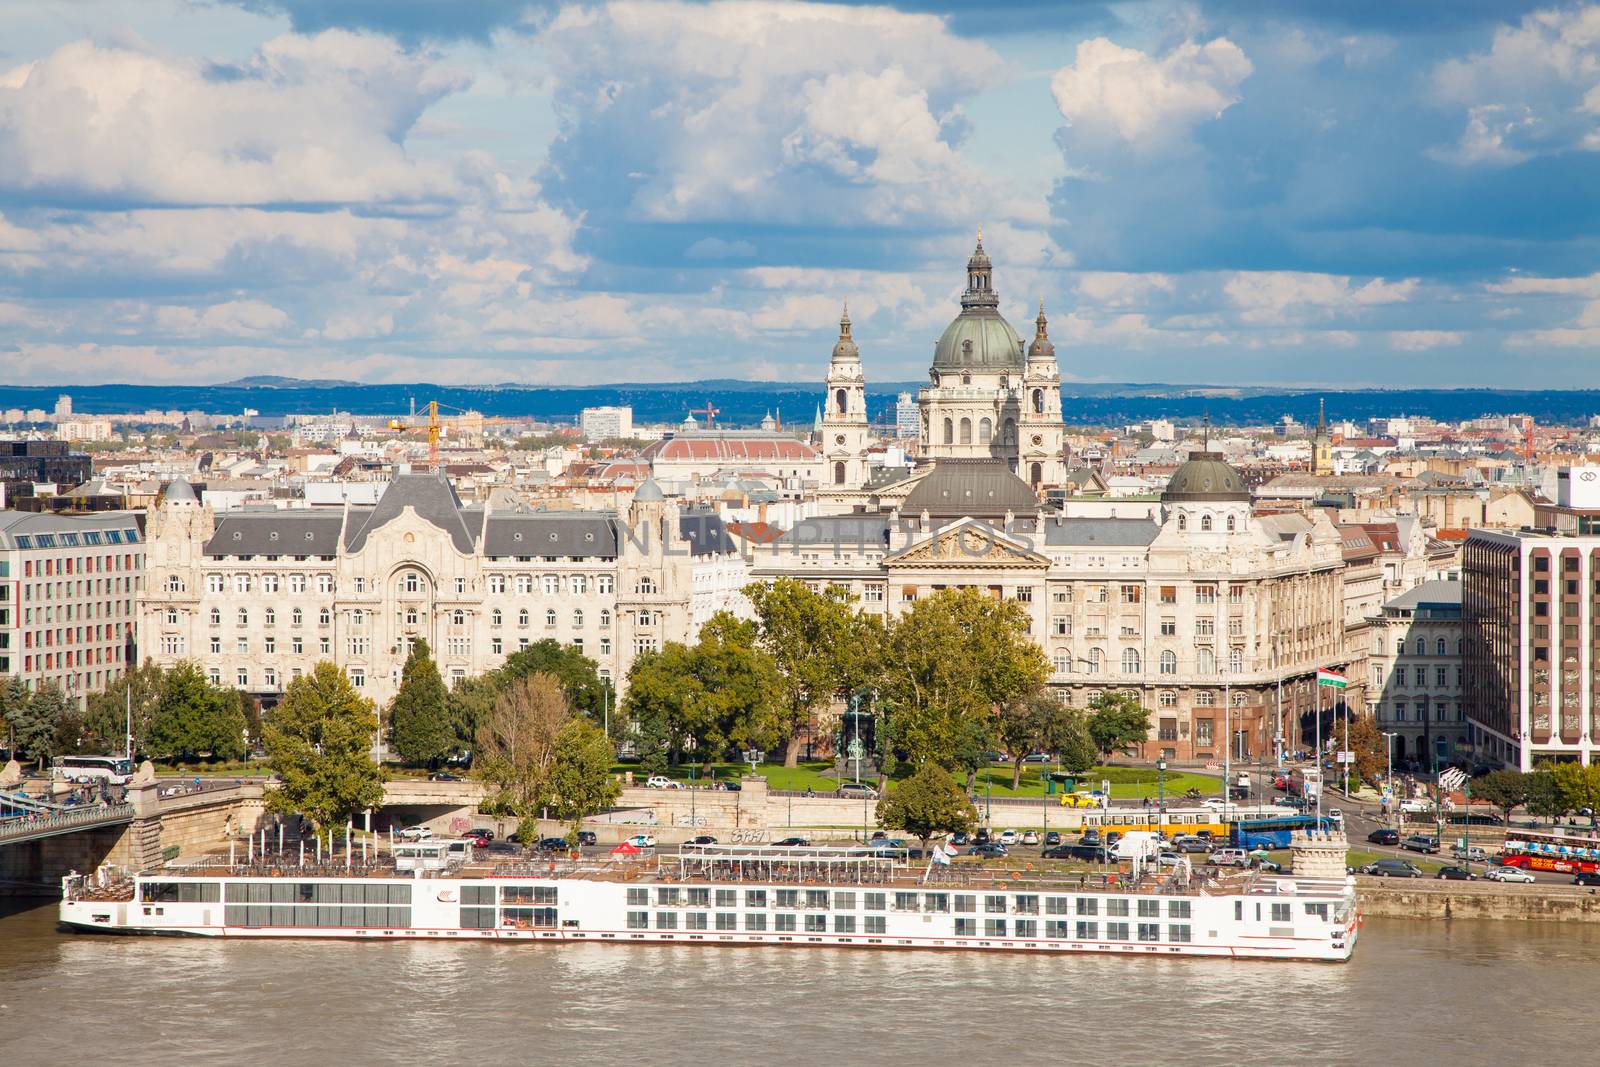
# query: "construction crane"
{"type": "Point", "coordinates": [709, 411]}
{"type": "Point", "coordinates": [435, 426]}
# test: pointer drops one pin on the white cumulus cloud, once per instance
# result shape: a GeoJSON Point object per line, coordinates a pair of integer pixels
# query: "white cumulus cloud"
{"type": "Point", "coordinates": [1149, 100]}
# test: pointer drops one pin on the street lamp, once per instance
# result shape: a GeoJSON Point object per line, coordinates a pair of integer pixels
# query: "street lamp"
{"type": "Point", "coordinates": [1388, 755]}
{"type": "Point", "coordinates": [1161, 793]}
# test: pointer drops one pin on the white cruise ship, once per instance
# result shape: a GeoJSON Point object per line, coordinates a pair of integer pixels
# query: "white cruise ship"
{"type": "Point", "coordinates": [731, 895]}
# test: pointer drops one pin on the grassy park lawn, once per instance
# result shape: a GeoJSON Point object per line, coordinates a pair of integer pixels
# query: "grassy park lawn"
{"type": "Point", "coordinates": [1360, 858]}
{"type": "Point", "coordinates": [1127, 783]}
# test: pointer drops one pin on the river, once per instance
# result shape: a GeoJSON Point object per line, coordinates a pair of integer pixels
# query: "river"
{"type": "Point", "coordinates": [1416, 993]}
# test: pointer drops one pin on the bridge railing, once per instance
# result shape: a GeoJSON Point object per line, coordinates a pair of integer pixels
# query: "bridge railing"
{"type": "Point", "coordinates": [26, 826]}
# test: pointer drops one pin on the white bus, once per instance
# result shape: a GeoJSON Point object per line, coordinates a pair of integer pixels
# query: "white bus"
{"type": "Point", "coordinates": [113, 770]}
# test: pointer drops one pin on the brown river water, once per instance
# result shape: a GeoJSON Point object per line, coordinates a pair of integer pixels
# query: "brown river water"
{"type": "Point", "coordinates": [1417, 993]}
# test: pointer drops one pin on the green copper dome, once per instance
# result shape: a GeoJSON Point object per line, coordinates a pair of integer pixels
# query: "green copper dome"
{"type": "Point", "coordinates": [980, 338]}
{"type": "Point", "coordinates": [1206, 477]}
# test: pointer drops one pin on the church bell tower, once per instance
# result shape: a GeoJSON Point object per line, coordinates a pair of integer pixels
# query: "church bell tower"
{"type": "Point", "coordinates": [843, 432]}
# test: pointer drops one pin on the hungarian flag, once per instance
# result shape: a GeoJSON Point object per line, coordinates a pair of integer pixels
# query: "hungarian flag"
{"type": "Point", "coordinates": [1333, 678]}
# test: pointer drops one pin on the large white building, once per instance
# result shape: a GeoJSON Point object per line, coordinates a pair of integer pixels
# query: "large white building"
{"type": "Point", "coordinates": [606, 423]}
{"type": "Point", "coordinates": [68, 591]}
{"type": "Point", "coordinates": [256, 597]}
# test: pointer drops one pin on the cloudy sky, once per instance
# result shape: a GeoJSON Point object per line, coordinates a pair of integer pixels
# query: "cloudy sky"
{"type": "Point", "coordinates": [1303, 192]}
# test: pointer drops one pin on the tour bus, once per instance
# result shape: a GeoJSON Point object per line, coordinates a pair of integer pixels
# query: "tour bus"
{"type": "Point", "coordinates": [1274, 831]}
{"type": "Point", "coordinates": [1200, 822]}
{"type": "Point", "coordinates": [113, 770]}
{"type": "Point", "coordinates": [1563, 853]}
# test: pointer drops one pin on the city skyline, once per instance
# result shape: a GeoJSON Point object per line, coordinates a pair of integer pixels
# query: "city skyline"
{"type": "Point", "coordinates": [584, 194]}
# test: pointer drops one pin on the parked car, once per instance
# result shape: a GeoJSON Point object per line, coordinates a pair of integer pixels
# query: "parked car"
{"type": "Point", "coordinates": [661, 781]}
{"type": "Point", "coordinates": [445, 776]}
{"type": "Point", "coordinates": [1213, 802]}
{"type": "Point", "coordinates": [479, 836]}
{"type": "Point", "coordinates": [991, 850]}
{"type": "Point", "coordinates": [1090, 853]}
{"type": "Point", "coordinates": [1586, 878]}
{"type": "Point", "coordinates": [792, 842]}
{"type": "Point", "coordinates": [1030, 837]}
{"type": "Point", "coordinates": [1082, 800]}
{"type": "Point", "coordinates": [957, 839]}
{"type": "Point", "coordinates": [703, 839]}
{"type": "Point", "coordinates": [1264, 863]}
{"type": "Point", "coordinates": [1090, 837]}
{"type": "Point", "coordinates": [553, 844]}
{"type": "Point", "coordinates": [1508, 874]}
{"type": "Point", "coordinates": [1052, 837]}
{"type": "Point", "coordinates": [1007, 837]}
{"type": "Point", "coordinates": [1036, 757]}
{"type": "Point", "coordinates": [1384, 836]}
{"type": "Point", "coordinates": [587, 837]}
{"type": "Point", "coordinates": [1169, 859]}
{"type": "Point", "coordinates": [1194, 845]}
{"type": "Point", "coordinates": [1472, 853]}
{"type": "Point", "coordinates": [1392, 868]}
{"type": "Point", "coordinates": [1230, 857]}
{"type": "Point", "coordinates": [1420, 843]}
{"type": "Point", "coordinates": [415, 833]}
{"type": "Point", "coordinates": [857, 790]}
{"type": "Point", "coordinates": [1455, 874]}
{"type": "Point", "coordinates": [1062, 852]}
{"type": "Point", "coordinates": [1416, 806]}
{"type": "Point", "coordinates": [981, 837]}
{"type": "Point", "coordinates": [643, 840]}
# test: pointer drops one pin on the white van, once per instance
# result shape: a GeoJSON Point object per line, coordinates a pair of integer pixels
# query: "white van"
{"type": "Point", "coordinates": [1230, 857]}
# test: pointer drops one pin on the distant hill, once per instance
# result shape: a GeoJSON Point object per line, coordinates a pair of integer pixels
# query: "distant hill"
{"type": "Point", "coordinates": [744, 403]}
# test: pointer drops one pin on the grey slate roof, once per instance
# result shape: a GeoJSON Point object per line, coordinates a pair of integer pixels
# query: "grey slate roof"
{"type": "Point", "coordinates": [970, 487]}
{"type": "Point", "coordinates": [705, 533]}
{"type": "Point", "coordinates": [1095, 532]}
{"type": "Point", "coordinates": [432, 497]}
{"type": "Point", "coordinates": [551, 533]}
{"type": "Point", "coordinates": [276, 532]}
{"type": "Point", "coordinates": [14, 524]}
{"type": "Point", "coordinates": [1437, 593]}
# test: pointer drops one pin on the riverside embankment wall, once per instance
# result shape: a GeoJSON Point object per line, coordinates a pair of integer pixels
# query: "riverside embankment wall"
{"type": "Point", "coordinates": [1477, 900]}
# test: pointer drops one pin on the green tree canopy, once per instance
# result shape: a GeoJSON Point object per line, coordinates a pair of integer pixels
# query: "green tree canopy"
{"type": "Point", "coordinates": [816, 642]}
{"type": "Point", "coordinates": [580, 778]}
{"type": "Point", "coordinates": [194, 718]}
{"type": "Point", "coordinates": [1067, 735]}
{"type": "Point", "coordinates": [1579, 787]}
{"type": "Point", "coordinates": [34, 717]}
{"type": "Point", "coordinates": [718, 693]}
{"type": "Point", "coordinates": [319, 739]}
{"type": "Point", "coordinates": [927, 803]}
{"type": "Point", "coordinates": [579, 675]}
{"type": "Point", "coordinates": [419, 718]}
{"type": "Point", "coordinates": [948, 663]}
{"type": "Point", "coordinates": [1544, 799]}
{"type": "Point", "coordinates": [1506, 790]}
{"type": "Point", "coordinates": [1023, 725]}
{"type": "Point", "coordinates": [1370, 747]}
{"type": "Point", "coordinates": [105, 713]}
{"type": "Point", "coordinates": [1117, 721]}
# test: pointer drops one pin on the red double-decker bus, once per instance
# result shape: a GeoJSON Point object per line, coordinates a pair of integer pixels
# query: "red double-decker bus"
{"type": "Point", "coordinates": [1563, 853]}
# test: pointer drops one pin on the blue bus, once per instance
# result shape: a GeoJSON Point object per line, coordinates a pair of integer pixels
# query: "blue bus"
{"type": "Point", "coordinates": [1273, 832]}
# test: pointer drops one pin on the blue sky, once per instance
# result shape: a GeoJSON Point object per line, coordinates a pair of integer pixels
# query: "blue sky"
{"type": "Point", "coordinates": [1295, 193]}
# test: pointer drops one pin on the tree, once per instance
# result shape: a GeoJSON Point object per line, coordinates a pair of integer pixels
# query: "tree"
{"type": "Point", "coordinates": [579, 675]}
{"type": "Point", "coordinates": [927, 803]}
{"type": "Point", "coordinates": [517, 743]}
{"type": "Point", "coordinates": [1579, 787]}
{"type": "Point", "coordinates": [810, 636]}
{"type": "Point", "coordinates": [1067, 735]}
{"type": "Point", "coordinates": [1544, 795]}
{"type": "Point", "coordinates": [192, 717]}
{"type": "Point", "coordinates": [1370, 748]}
{"type": "Point", "coordinates": [947, 663]}
{"type": "Point", "coordinates": [580, 777]}
{"type": "Point", "coordinates": [33, 720]}
{"type": "Point", "coordinates": [419, 718]}
{"type": "Point", "coordinates": [706, 697]}
{"type": "Point", "coordinates": [1023, 725]}
{"type": "Point", "coordinates": [105, 714]}
{"type": "Point", "coordinates": [319, 739]}
{"type": "Point", "coordinates": [1506, 790]}
{"type": "Point", "coordinates": [1117, 721]}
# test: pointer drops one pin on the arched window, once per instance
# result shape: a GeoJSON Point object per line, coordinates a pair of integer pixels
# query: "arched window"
{"type": "Point", "coordinates": [1205, 661]}
{"type": "Point", "coordinates": [271, 617]}
{"type": "Point", "coordinates": [1440, 646]}
{"type": "Point", "coordinates": [325, 617]}
{"type": "Point", "coordinates": [1231, 526]}
{"type": "Point", "coordinates": [1183, 521]}
{"type": "Point", "coordinates": [1205, 523]}
{"type": "Point", "coordinates": [1168, 699]}
{"type": "Point", "coordinates": [1094, 661]}
{"type": "Point", "coordinates": [840, 401]}
{"type": "Point", "coordinates": [949, 431]}
{"type": "Point", "coordinates": [1130, 661]}
{"type": "Point", "coordinates": [1035, 474]}
{"type": "Point", "coordinates": [413, 582]}
{"type": "Point", "coordinates": [1008, 432]}
{"type": "Point", "coordinates": [1461, 645]}
{"type": "Point", "coordinates": [646, 585]}
{"type": "Point", "coordinates": [244, 617]}
{"type": "Point", "coordinates": [985, 431]}
{"type": "Point", "coordinates": [358, 617]}
{"type": "Point", "coordinates": [838, 474]}
{"type": "Point", "coordinates": [577, 619]}
{"type": "Point", "coordinates": [216, 616]}
{"type": "Point", "coordinates": [522, 618]}
{"type": "Point", "coordinates": [496, 618]}
{"type": "Point", "coordinates": [966, 431]}
{"type": "Point", "coordinates": [1061, 661]}
{"type": "Point", "coordinates": [550, 618]}
{"type": "Point", "coordinates": [605, 619]}
{"type": "Point", "coordinates": [1169, 662]}
{"type": "Point", "coordinates": [172, 616]}
{"type": "Point", "coordinates": [1038, 401]}
{"type": "Point", "coordinates": [1422, 646]}
{"type": "Point", "coordinates": [458, 617]}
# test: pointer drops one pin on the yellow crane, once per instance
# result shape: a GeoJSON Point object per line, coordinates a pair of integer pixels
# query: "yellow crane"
{"type": "Point", "coordinates": [434, 427]}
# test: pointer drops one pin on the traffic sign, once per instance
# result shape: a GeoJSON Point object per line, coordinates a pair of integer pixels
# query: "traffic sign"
{"type": "Point", "coordinates": [1345, 757]}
